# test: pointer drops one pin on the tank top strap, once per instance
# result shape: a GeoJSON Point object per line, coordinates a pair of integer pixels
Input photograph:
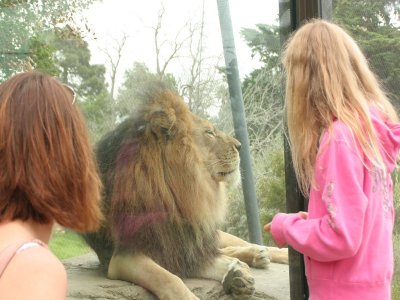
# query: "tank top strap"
{"type": "Point", "coordinates": [9, 252]}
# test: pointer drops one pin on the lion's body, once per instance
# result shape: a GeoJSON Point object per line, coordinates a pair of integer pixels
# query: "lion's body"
{"type": "Point", "coordinates": [158, 190]}
{"type": "Point", "coordinates": [164, 172]}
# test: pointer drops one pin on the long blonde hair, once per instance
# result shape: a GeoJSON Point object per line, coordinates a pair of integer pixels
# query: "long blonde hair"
{"type": "Point", "coordinates": [328, 77]}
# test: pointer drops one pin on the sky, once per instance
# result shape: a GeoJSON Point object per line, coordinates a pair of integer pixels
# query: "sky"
{"type": "Point", "coordinates": [111, 19]}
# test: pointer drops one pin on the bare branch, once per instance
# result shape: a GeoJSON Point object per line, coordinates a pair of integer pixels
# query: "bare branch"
{"type": "Point", "coordinates": [114, 59]}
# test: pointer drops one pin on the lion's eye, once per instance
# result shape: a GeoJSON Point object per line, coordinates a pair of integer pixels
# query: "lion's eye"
{"type": "Point", "coordinates": [210, 132]}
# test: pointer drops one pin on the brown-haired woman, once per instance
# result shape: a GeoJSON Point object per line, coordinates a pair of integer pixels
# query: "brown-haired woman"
{"type": "Point", "coordinates": [47, 175]}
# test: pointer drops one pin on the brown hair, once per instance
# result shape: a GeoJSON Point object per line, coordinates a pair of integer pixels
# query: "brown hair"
{"type": "Point", "coordinates": [47, 169]}
{"type": "Point", "coordinates": [328, 77]}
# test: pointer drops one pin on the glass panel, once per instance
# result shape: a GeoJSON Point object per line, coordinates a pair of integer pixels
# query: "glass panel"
{"type": "Point", "coordinates": [109, 62]}
{"type": "Point", "coordinates": [109, 50]}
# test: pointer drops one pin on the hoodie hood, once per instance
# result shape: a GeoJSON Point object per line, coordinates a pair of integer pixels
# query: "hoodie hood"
{"type": "Point", "coordinates": [389, 135]}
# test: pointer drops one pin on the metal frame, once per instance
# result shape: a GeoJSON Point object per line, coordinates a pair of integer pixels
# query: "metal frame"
{"type": "Point", "coordinates": [292, 14]}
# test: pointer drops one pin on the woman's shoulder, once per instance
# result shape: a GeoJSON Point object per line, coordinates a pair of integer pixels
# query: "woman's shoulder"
{"type": "Point", "coordinates": [38, 256]}
{"type": "Point", "coordinates": [40, 260]}
{"type": "Point", "coordinates": [40, 271]}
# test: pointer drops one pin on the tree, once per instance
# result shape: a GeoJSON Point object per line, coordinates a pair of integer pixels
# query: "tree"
{"type": "Point", "coordinates": [202, 80]}
{"type": "Point", "coordinates": [375, 25]}
{"type": "Point", "coordinates": [41, 55]}
{"type": "Point", "coordinates": [162, 61]}
{"type": "Point", "coordinates": [72, 59]}
{"type": "Point", "coordinates": [113, 59]}
{"type": "Point", "coordinates": [136, 81]}
{"type": "Point", "coordinates": [25, 27]}
{"type": "Point", "coordinates": [43, 35]}
{"type": "Point", "coordinates": [199, 83]}
{"type": "Point", "coordinates": [262, 88]}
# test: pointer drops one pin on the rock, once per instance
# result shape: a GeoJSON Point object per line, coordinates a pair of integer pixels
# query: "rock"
{"type": "Point", "coordinates": [86, 281]}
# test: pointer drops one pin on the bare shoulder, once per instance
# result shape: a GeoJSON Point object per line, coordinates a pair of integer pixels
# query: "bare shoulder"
{"type": "Point", "coordinates": [39, 271]}
{"type": "Point", "coordinates": [41, 258]}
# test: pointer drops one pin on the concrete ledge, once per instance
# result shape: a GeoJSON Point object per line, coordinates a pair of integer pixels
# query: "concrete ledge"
{"type": "Point", "coordinates": [85, 281]}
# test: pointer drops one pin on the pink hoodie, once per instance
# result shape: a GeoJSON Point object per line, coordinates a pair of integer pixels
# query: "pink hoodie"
{"type": "Point", "coordinates": [347, 238]}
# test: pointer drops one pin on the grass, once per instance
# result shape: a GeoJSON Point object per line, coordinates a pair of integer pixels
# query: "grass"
{"type": "Point", "coordinates": [66, 243]}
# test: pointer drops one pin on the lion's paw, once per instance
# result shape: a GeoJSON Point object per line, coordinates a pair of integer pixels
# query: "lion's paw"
{"type": "Point", "coordinates": [238, 281]}
{"type": "Point", "coordinates": [261, 258]}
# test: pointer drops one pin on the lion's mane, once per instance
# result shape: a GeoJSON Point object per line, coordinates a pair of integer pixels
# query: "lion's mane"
{"type": "Point", "coordinates": [159, 198]}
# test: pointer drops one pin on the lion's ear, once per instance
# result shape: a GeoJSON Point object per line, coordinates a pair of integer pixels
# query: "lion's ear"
{"type": "Point", "coordinates": [162, 123]}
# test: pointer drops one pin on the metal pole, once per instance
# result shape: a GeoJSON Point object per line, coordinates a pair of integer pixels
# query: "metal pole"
{"type": "Point", "coordinates": [326, 9]}
{"type": "Point", "coordinates": [239, 121]}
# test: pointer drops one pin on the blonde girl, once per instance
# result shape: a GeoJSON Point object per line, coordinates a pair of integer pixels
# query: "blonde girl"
{"type": "Point", "coordinates": [345, 138]}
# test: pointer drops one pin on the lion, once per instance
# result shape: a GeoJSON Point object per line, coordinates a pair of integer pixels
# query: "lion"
{"type": "Point", "coordinates": [165, 171]}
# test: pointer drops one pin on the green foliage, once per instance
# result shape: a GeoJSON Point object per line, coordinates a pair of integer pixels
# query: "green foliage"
{"type": "Point", "coordinates": [262, 88]}
{"type": "Point", "coordinates": [45, 38]}
{"type": "Point", "coordinates": [262, 94]}
{"type": "Point", "coordinates": [97, 110]}
{"type": "Point", "coordinates": [15, 28]}
{"type": "Point", "coordinates": [264, 43]}
{"type": "Point", "coordinates": [136, 82]}
{"type": "Point", "coordinates": [236, 220]}
{"type": "Point", "coordinates": [72, 59]}
{"type": "Point", "coordinates": [271, 185]}
{"type": "Point", "coordinates": [22, 26]}
{"type": "Point", "coordinates": [270, 189]}
{"type": "Point", "coordinates": [42, 55]}
{"type": "Point", "coordinates": [375, 26]}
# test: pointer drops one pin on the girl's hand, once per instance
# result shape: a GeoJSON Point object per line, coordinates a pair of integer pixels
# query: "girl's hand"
{"type": "Point", "coordinates": [302, 214]}
{"type": "Point", "coordinates": [267, 227]}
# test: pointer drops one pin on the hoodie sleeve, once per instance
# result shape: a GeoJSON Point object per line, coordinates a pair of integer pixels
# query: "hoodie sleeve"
{"type": "Point", "coordinates": [333, 229]}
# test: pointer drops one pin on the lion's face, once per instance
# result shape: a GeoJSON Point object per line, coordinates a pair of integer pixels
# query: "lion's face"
{"type": "Point", "coordinates": [219, 151]}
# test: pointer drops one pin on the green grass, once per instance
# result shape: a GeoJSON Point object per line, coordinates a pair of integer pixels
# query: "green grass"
{"type": "Point", "coordinates": [66, 243]}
